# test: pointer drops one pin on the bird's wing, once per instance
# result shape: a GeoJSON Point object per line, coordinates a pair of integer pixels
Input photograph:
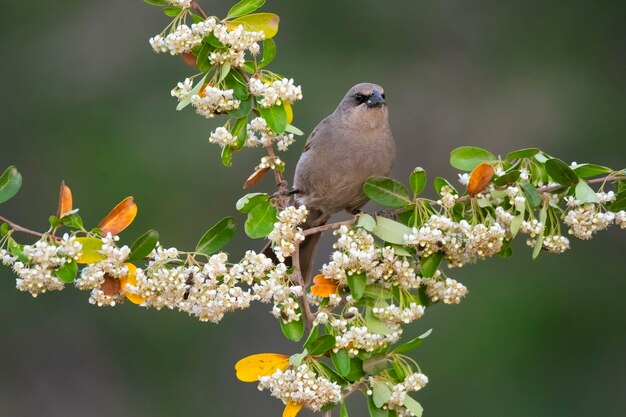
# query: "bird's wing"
{"type": "Point", "coordinates": [321, 126]}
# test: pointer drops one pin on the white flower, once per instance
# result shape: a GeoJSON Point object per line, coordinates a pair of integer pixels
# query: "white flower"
{"type": "Point", "coordinates": [464, 178]}
{"type": "Point", "coordinates": [222, 137]}
{"type": "Point", "coordinates": [286, 235]}
{"type": "Point", "coordinates": [211, 101]}
{"type": "Point", "coordinates": [182, 89]}
{"type": "Point", "coordinates": [584, 221]}
{"type": "Point", "coordinates": [276, 93]}
{"type": "Point", "coordinates": [449, 291]}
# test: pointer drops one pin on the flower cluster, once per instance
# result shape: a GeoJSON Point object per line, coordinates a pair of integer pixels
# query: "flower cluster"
{"type": "Point", "coordinates": [448, 290]}
{"type": "Point", "coordinates": [301, 386]}
{"type": "Point", "coordinates": [393, 314]}
{"type": "Point", "coordinates": [585, 220]}
{"type": "Point", "coordinates": [275, 93]}
{"type": "Point", "coordinates": [413, 382]}
{"type": "Point", "coordinates": [237, 41]}
{"type": "Point", "coordinates": [286, 235]}
{"type": "Point", "coordinates": [260, 134]}
{"type": "Point", "coordinates": [211, 101]}
{"type": "Point", "coordinates": [357, 338]}
{"type": "Point", "coordinates": [183, 38]}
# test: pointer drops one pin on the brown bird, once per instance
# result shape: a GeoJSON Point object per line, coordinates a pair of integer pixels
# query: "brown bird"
{"type": "Point", "coordinates": [345, 149]}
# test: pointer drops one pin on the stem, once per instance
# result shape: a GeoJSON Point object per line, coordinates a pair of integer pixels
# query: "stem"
{"type": "Point", "coordinates": [18, 228]}
{"type": "Point", "coordinates": [328, 413]}
{"type": "Point", "coordinates": [303, 299]}
{"type": "Point", "coordinates": [196, 8]}
{"type": "Point", "coordinates": [283, 192]}
{"type": "Point", "coordinates": [329, 226]}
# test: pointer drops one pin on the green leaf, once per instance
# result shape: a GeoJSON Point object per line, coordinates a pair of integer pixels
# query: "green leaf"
{"type": "Point", "coordinates": [261, 219]}
{"type": "Point", "coordinates": [67, 273]}
{"type": "Point", "coordinates": [172, 11]}
{"type": "Point", "coordinates": [240, 131]}
{"type": "Point", "coordinates": [54, 221]}
{"type": "Point", "coordinates": [144, 245]}
{"type": "Point", "coordinates": [195, 90]}
{"type": "Point", "coordinates": [390, 230]}
{"type": "Point", "coordinates": [217, 236]}
{"type": "Point", "coordinates": [275, 116]}
{"type": "Point", "coordinates": [413, 406]}
{"type": "Point", "coordinates": [399, 370]}
{"type": "Point", "coordinates": [313, 335]}
{"type": "Point", "coordinates": [430, 264]}
{"type": "Point", "coordinates": [374, 324]}
{"type": "Point", "coordinates": [387, 192]}
{"type": "Point", "coordinates": [156, 2]}
{"type": "Point", "coordinates": [522, 153]}
{"type": "Point", "coordinates": [381, 393]}
{"type": "Point", "coordinates": [322, 344]}
{"type": "Point", "coordinates": [244, 7]}
{"type": "Point", "coordinates": [412, 344]}
{"type": "Point", "coordinates": [202, 59]}
{"type": "Point", "coordinates": [269, 52]}
{"type": "Point", "coordinates": [329, 373]}
{"type": "Point", "coordinates": [235, 81]}
{"type": "Point", "coordinates": [296, 359]}
{"type": "Point", "coordinates": [440, 182]}
{"type": "Point", "coordinates": [10, 183]}
{"type": "Point", "coordinates": [466, 158]}
{"type": "Point", "coordinates": [293, 330]}
{"type": "Point", "coordinates": [357, 283]}
{"type": "Point", "coordinates": [619, 203]}
{"type": "Point", "coordinates": [508, 178]}
{"type": "Point", "coordinates": [375, 411]}
{"type": "Point", "coordinates": [294, 130]}
{"type": "Point", "coordinates": [538, 246]}
{"type": "Point", "coordinates": [341, 361]}
{"type": "Point", "coordinates": [343, 411]}
{"type": "Point", "coordinates": [585, 194]}
{"type": "Point", "coordinates": [366, 221]}
{"type": "Point", "coordinates": [417, 180]}
{"type": "Point", "coordinates": [532, 195]}
{"type": "Point", "coordinates": [72, 220]}
{"type": "Point", "coordinates": [227, 155]}
{"type": "Point", "coordinates": [4, 229]}
{"type": "Point", "coordinates": [561, 172]}
{"type": "Point", "coordinates": [224, 70]}
{"type": "Point", "coordinates": [590, 170]}
{"type": "Point", "coordinates": [375, 364]}
{"type": "Point", "coordinates": [244, 109]}
{"type": "Point", "coordinates": [356, 369]}
{"type": "Point", "coordinates": [245, 203]}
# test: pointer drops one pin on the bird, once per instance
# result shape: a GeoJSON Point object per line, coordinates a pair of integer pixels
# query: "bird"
{"type": "Point", "coordinates": [346, 148]}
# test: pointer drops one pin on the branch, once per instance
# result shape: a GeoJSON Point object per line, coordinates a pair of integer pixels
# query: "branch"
{"type": "Point", "coordinates": [329, 226]}
{"type": "Point", "coordinates": [304, 300]}
{"type": "Point", "coordinates": [18, 228]}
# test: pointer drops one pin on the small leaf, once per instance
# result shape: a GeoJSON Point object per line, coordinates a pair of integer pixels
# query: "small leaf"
{"type": "Point", "coordinates": [72, 220]}
{"type": "Point", "coordinates": [466, 158]}
{"type": "Point", "coordinates": [239, 130]}
{"type": "Point", "coordinates": [195, 90]}
{"type": "Point", "coordinates": [313, 335]}
{"type": "Point", "coordinates": [65, 200]}
{"type": "Point", "coordinates": [390, 230]}
{"type": "Point", "coordinates": [417, 181]}
{"type": "Point", "coordinates": [292, 409]}
{"type": "Point", "coordinates": [227, 156]}
{"type": "Point", "coordinates": [296, 359]}
{"type": "Point", "coordinates": [172, 11]}
{"type": "Point", "coordinates": [440, 182]}
{"type": "Point", "coordinates": [245, 203]}
{"type": "Point", "coordinates": [4, 229]}
{"type": "Point", "coordinates": [10, 183]}
{"type": "Point", "coordinates": [292, 129]}
{"type": "Point", "coordinates": [374, 324]}
{"type": "Point", "coordinates": [67, 273]}
{"type": "Point", "coordinates": [508, 178]}
{"type": "Point", "coordinates": [590, 170]}
{"type": "Point", "coordinates": [269, 52]}
{"type": "Point", "coordinates": [131, 279]}
{"type": "Point", "coordinates": [250, 368]}
{"type": "Point", "coordinates": [381, 393]}
{"type": "Point", "coordinates": [90, 252]}
{"type": "Point", "coordinates": [412, 344]}
{"type": "Point", "coordinates": [266, 22]}
{"type": "Point", "coordinates": [275, 116]}
{"type": "Point", "coordinates": [522, 153]}
{"type": "Point", "coordinates": [387, 192]}
{"type": "Point", "coordinates": [255, 177]}
{"type": "Point", "coordinates": [375, 411]}
{"type": "Point", "coordinates": [293, 330]}
{"type": "Point", "coordinates": [322, 345]}
{"type": "Point", "coordinates": [585, 194]}
{"type": "Point", "coordinates": [480, 178]}
{"type": "Point", "coordinates": [357, 283]}
{"type": "Point", "coordinates": [144, 245]}
{"type": "Point", "coordinates": [341, 361]}
{"type": "Point", "coordinates": [356, 369]}
{"type": "Point", "coordinates": [261, 219]}
{"type": "Point", "coordinates": [413, 406]}
{"type": "Point", "coordinates": [343, 411]}
{"type": "Point", "coordinates": [324, 287]}
{"type": "Point", "coordinates": [244, 7]}
{"type": "Point", "coordinates": [366, 221]}
{"type": "Point", "coordinates": [430, 264]}
{"type": "Point", "coordinates": [532, 195]}
{"type": "Point", "coordinates": [217, 236]}
{"type": "Point", "coordinates": [288, 113]}
{"type": "Point", "coordinates": [119, 218]}
{"type": "Point", "coordinates": [202, 59]}
{"type": "Point", "coordinates": [538, 246]}
{"type": "Point", "coordinates": [619, 203]}
{"type": "Point", "coordinates": [561, 172]}
{"type": "Point", "coordinates": [245, 107]}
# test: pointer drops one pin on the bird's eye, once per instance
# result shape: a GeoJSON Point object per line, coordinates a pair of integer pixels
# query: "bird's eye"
{"type": "Point", "coordinates": [360, 98]}
{"type": "Point", "coordinates": [384, 96]}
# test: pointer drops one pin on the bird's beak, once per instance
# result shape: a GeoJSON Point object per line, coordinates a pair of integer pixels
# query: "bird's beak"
{"type": "Point", "coordinates": [376, 100]}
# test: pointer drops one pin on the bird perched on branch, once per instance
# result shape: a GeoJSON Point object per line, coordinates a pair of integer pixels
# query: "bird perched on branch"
{"type": "Point", "coordinates": [345, 149]}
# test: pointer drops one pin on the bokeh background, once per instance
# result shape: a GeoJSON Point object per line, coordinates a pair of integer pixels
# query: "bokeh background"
{"type": "Point", "coordinates": [86, 100]}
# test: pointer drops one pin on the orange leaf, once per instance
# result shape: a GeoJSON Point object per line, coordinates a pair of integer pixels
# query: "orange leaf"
{"type": "Point", "coordinates": [110, 286]}
{"type": "Point", "coordinates": [131, 279]}
{"type": "Point", "coordinates": [119, 218]}
{"type": "Point", "coordinates": [255, 177]}
{"type": "Point", "coordinates": [189, 59]}
{"type": "Point", "coordinates": [65, 200]}
{"type": "Point", "coordinates": [324, 287]}
{"type": "Point", "coordinates": [292, 409]}
{"type": "Point", "coordinates": [480, 178]}
{"type": "Point", "coordinates": [250, 368]}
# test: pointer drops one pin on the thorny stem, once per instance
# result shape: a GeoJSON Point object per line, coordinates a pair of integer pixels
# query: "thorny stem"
{"type": "Point", "coordinates": [19, 228]}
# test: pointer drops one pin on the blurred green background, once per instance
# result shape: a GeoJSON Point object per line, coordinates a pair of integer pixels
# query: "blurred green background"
{"type": "Point", "coordinates": [86, 100]}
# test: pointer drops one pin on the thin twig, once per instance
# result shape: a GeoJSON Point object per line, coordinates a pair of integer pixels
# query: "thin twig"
{"type": "Point", "coordinates": [304, 300]}
{"type": "Point", "coordinates": [196, 8]}
{"type": "Point", "coordinates": [328, 226]}
{"type": "Point", "coordinates": [18, 228]}
{"type": "Point", "coordinates": [328, 413]}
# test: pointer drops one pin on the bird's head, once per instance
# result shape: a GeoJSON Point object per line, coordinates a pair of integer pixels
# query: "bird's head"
{"type": "Point", "coordinates": [364, 106]}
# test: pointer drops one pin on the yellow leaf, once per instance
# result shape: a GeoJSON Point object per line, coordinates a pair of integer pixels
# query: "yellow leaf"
{"type": "Point", "coordinates": [480, 178]}
{"type": "Point", "coordinates": [267, 22]}
{"type": "Point", "coordinates": [91, 246]}
{"type": "Point", "coordinates": [131, 279]}
{"type": "Point", "coordinates": [250, 368]}
{"type": "Point", "coordinates": [119, 218]}
{"type": "Point", "coordinates": [324, 287]}
{"type": "Point", "coordinates": [292, 409]}
{"type": "Point", "coordinates": [289, 112]}
{"type": "Point", "coordinates": [65, 200]}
